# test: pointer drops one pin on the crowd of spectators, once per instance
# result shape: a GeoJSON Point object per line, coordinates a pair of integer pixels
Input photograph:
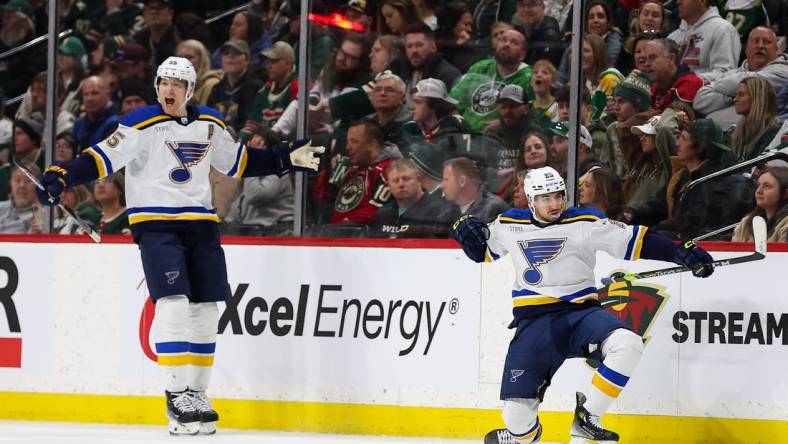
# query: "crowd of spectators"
{"type": "Point", "coordinates": [433, 110]}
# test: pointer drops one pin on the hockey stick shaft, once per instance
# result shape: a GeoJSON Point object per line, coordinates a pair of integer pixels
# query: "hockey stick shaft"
{"type": "Point", "coordinates": [81, 223]}
{"type": "Point", "coordinates": [759, 236]}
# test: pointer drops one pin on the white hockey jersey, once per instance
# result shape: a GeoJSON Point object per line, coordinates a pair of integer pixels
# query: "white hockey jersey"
{"type": "Point", "coordinates": [168, 160]}
{"type": "Point", "coordinates": [554, 265]}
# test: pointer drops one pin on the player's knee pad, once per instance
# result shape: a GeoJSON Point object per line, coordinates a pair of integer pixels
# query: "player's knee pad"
{"type": "Point", "coordinates": [171, 319]}
{"type": "Point", "coordinates": [622, 342]}
{"type": "Point", "coordinates": [521, 418]}
{"type": "Point", "coordinates": [204, 319]}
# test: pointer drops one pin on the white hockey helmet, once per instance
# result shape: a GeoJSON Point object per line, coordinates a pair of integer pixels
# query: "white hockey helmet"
{"type": "Point", "coordinates": [542, 181]}
{"type": "Point", "coordinates": [177, 68]}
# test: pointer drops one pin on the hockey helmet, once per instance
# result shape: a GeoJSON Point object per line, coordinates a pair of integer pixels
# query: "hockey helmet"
{"type": "Point", "coordinates": [542, 181]}
{"type": "Point", "coordinates": [177, 68]}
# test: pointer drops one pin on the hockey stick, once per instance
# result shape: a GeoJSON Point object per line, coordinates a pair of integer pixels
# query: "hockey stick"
{"type": "Point", "coordinates": [758, 234]}
{"type": "Point", "coordinates": [81, 223]}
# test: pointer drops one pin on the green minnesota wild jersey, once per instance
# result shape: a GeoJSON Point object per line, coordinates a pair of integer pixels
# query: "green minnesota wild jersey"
{"type": "Point", "coordinates": [744, 15]}
{"type": "Point", "coordinates": [478, 90]}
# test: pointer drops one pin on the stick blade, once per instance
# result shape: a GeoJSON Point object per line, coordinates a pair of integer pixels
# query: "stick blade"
{"type": "Point", "coordinates": [759, 234]}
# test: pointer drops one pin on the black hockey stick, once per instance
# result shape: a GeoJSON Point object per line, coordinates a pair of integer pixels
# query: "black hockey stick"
{"type": "Point", "coordinates": [81, 223]}
{"type": "Point", "coordinates": [758, 234]}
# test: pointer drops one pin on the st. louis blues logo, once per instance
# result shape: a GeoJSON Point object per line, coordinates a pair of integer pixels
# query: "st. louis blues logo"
{"type": "Point", "coordinates": [188, 154]}
{"type": "Point", "coordinates": [539, 252]}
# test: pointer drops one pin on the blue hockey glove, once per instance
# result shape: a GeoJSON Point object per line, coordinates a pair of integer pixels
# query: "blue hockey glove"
{"type": "Point", "coordinates": [54, 182]}
{"type": "Point", "coordinates": [695, 258]}
{"type": "Point", "coordinates": [472, 235]}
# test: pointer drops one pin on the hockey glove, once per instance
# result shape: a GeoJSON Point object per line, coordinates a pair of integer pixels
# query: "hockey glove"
{"type": "Point", "coordinates": [54, 182]}
{"type": "Point", "coordinates": [472, 235]}
{"type": "Point", "coordinates": [695, 258]}
{"type": "Point", "coordinates": [306, 156]}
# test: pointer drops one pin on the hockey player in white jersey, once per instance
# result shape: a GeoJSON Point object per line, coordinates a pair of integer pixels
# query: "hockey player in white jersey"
{"type": "Point", "coordinates": [167, 150]}
{"type": "Point", "coordinates": [556, 311]}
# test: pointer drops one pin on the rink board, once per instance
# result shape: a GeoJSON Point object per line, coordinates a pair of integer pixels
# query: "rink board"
{"type": "Point", "coordinates": [383, 338]}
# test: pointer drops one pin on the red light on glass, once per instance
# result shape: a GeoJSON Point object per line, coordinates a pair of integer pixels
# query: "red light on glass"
{"type": "Point", "coordinates": [338, 21]}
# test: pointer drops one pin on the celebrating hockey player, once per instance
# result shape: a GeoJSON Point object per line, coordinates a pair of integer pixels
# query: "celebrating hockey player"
{"type": "Point", "coordinates": [168, 150]}
{"type": "Point", "coordinates": [556, 311]}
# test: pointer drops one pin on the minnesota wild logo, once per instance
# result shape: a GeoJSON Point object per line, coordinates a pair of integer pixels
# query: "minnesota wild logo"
{"type": "Point", "coordinates": [636, 303]}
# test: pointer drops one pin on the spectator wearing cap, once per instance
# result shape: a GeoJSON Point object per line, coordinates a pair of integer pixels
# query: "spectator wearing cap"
{"type": "Point", "coordinates": [515, 121]}
{"type": "Point", "coordinates": [462, 186]}
{"type": "Point", "coordinates": [248, 27]}
{"type": "Point", "coordinates": [631, 104]}
{"type": "Point", "coordinates": [424, 60]}
{"type": "Point", "coordinates": [560, 149]}
{"type": "Point", "coordinates": [27, 148]}
{"type": "Point", "coordinates": [542, 33]}
{"type": "Point", "coordinates": [356, 11]}
{"type": "Point", "coordinates": [17, 214]}
{"type": "Point", "coordinates": [71, 71]}
{"type": "Point", "coordinates": [709, 44]}
{"type": "Point", "coordinates": [711, 204]}
{"type": "Point", "coordinates": [412, 213]}
{"type": "Point", "coordinates": [477, 92]}
{"type": "Point", "coordinates": [280, 89]}
{"type": "Point", "coordinates": [234, 95]}
{"type": "Point", "coordinates": [132, 60]}
{"type": "Point", "coordinates": [428, 159]}
{"type": "Point", "coordinates": [134, 94]}
{"type": "Point", "coordinates": [764, 59]}
{"type": "Point", "coordinates": [670, 79]}
{"type": "Point", "coordinates": [433, 115]}
{"type": "Point", "coordinates": [159, 36]}
{"type": "Point", "coordinates": [100, 118]}
{"type": "Point", "coordinates": [207, 78]}
{"type": "Point", "coordinates": [18, 28]}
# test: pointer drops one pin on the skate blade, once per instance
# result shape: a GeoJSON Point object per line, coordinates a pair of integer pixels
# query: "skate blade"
{"type": "Point", "coordinates": [207, 428]}
{"type": "Point", "coordinates": [579, 440]}
{"type": "Point", "coordinates": [184, 429]}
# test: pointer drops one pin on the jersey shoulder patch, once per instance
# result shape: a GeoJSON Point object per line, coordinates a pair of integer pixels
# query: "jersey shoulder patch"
{"type": "Point", "coordinates": [211, 115]}
{"type": "Point", "coordinates": [515, 216]}
{"type": "Point", "coordinates": [145, 117]}
{"type": "Point", "coordinates": [581, 214]}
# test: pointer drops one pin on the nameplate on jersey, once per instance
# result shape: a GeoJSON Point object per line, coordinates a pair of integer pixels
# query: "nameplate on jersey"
{"type": "Point", "coordinates": [188, 155]}
{"type": "Point", "coordinates": [539, 252]}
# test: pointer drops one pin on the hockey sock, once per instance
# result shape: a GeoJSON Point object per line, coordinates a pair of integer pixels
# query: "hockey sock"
{"type": "Point", "coordinates": [621, 352]}
{"type": "Point", "coordinates": [171, 324]}
{"type": "Point", "coordinates": [204, 321]}
{"type": "Point", "coordinates": [520, 417]}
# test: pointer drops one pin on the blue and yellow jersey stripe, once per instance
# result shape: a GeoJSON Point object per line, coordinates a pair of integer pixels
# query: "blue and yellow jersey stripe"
{"type": "Point", "coordinates": [609, 381]}
{"type": "Point", "coordinates": [635, 244]}
{"type": "Point", "coordinates": [146, 214]}
{"type": "Point", "coordinates": [103, 164]}
{"type": "Point", "coordinates": [526, 298]}
{"type": "Point", "coordinates": [152, 121]}
{"type": "Point", "coordinates": [241, 159]}
{"type": "Point", "coordinates": [214, 119]}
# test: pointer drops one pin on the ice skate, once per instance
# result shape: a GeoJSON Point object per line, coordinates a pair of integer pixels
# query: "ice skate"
{"type": "Point", "coordinates": [586, 427]}
{"type": "Point", "coordinates": [184, 417]}
{"type": "Point", "coordinates": [208, 415]}
{"type": "Point", "coordinates": [502, 436]}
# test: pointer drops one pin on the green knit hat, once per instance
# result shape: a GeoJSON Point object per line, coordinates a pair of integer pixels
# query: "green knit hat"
{"type": "Point", "coordinates": [20, 6]}
{"type": "Point", "coordinates": [72, 46]}
{"type": "Point", "coordinates": [636, 89]}
{"type": "Point", "coordinates": [708, 134]}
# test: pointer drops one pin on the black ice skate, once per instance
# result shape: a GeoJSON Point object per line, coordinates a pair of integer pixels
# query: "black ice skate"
{"type": "Point", "coordinates": [587, 427]}
{"type": "Point", "coordinates": [502, 436]}
{"type": "Point", "coordinates": [208, 415]}
{"type": "Point", "coordinates": [184, 417]}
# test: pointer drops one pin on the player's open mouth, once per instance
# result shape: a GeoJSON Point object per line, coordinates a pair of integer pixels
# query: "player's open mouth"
{"type": "Point", "coordinates": [169, 101]}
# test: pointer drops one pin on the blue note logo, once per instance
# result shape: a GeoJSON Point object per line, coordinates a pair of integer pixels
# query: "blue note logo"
{"type": "Point", "coordinates": [539, 252]}
{"type": "Point", "coordinates": [188, 154]}
{"type": "Point", "coordinates": [516, 373]}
